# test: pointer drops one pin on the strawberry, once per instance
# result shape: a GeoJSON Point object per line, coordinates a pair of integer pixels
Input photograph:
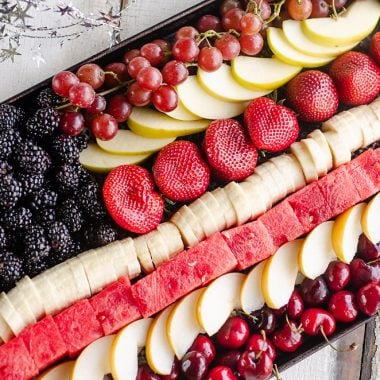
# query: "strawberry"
{"type": "Point", "coordinates": [357, 78]}
{"type": "Point", "coordinates": [229, 151]}
{"type": "Point", "coordinates": [130, 199]}
{"type": "Point", "coordinates": [272, 127]}
{"type": "Point", "coordinates": [313, 95]}
{"type": "Point", "coordinates": [180, 171]}
{"type": "Point", "coordinates": [374, 48]}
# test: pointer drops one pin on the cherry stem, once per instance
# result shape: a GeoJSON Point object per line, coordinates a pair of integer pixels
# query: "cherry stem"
{"type": "Point", "coordinates": [263, 334]}
{"type": "Point", "coordinates": [276, 372]}
{"type": "Point", "coordinates": [373, 261]}
{"type": "Point", "coordinates": [353, 346]}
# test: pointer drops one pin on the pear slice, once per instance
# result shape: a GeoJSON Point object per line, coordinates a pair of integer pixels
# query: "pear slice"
{"type": "Point", "coordinates": [296, 37]}
{"type": "Point", "coordinates": [218, 300]}
{"type": "Point", "coordinates": [317, 251]}
{"type": "Point", "coordinates": [354, 25]}
{"type": "Point", "coordinates": [59, 372]}
{"type": "Point", "coordinates": [181, 113]}
{"type": "Point", "coordinates": [97, 160]}
{"type": "Point", "coordinates": [370, 220]}
{"type": "Point", "coordinates": [251, 295]}
{"type": "Point", "coordinates": [93, 362]}
{"type": "Point", "coordinates": [221, 84]}
{"type": "Point", "coordinates": [182, 326]}
{"type": "Point", "coordinates": [159, 354]}
{"type": "Point", "coordinates": [125, 349]}
{"type": "Point", "coordinates": [346, 231]}
{"type": "Point", "coordinates": [280, 274]}
{"type": "Point", "coordinates": [283, 50]}
{"type": "Point", "coordinates": [262, 73]}
{"type": "Point", "coordinates": [150, 123]}
{"type": "Point", "coordinates": [196, 100]}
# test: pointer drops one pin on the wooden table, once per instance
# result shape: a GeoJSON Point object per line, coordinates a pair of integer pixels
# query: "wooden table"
{"type": "Point", "coordinates": [364, 363]}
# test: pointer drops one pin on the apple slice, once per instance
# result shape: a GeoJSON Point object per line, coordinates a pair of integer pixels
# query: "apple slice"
{"type": "Point", "coordinates": [181, 113]}
{"type": "Point", "coordinates": [280, 273]}
{"type": "Point", "coordinates": [159, 354]}
{"type": "Point", "coordinates": [370, 220]}
{"type": "Point", "coordinates": [182, 326]}
{"type": "Point", "coordinates": [317, 251]}
{"type": "Point", "coordinates": [59, 372]}
{"type": "Point", "coordinates": [296, 37]}
{"type": "Point", "coordinates": [286, 52]}
{"type": "Point", "coordinates": [218, 300]}
{"type": "Point", "coordinates": [251, 295]}
{"type": "Point", "coordinates": [201, 103]}
{"type": "Point", "coordinates": [262, 73]}
{"type": "Point", "coordinates": [354, 25]}
{"type": "Point", "coordinates": [125, 349]}
{"type": "Point", "coordinates": [150, 123]}
{"type": "Point", "coordinates": [221, 84]}
{"type": "Point", "coordinates": [346, 231]}
{"type": "Point", "coordinates": [93, 362]}
{"type": "Point", "coordinates": [97, 160]}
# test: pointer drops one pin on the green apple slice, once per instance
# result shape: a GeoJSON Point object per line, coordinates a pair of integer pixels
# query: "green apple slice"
{"type": "Point", "coordinates": [201, 103]}
{"type": "Point", "coordinates": [150, 123]}
{"type": "Point", "coordinates": [127, 142]}
{"type": "Point", "coordinates": [97, 160]}
{"type": "Point", "coordinates": [296, 37]}
{"type": "Point", "coordinates": [181, 113]}
{"type": "Point", "coordinates": [262, 73]}
{"type": "Point", "coordinates": [370, 220]}
{"type": "Point", "coordinates": [284, 51]}
{"type": "Point", "coordinates": [220, 83]}
{"type": "Point", "coordinates": [354, 25]}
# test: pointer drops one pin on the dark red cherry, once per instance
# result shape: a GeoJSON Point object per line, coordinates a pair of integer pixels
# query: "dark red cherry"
{"type": "Point", "coordinates": [229, 359]}
{"type": "Point", "coordinates": [314, 292]}
{"type": "Point", "coordinates": [145, 373]}
{"type": "Point", "coordinates": [233, 334]}
{"type": "Point", "coordinates": [337, 275]}
{"type": "Point", "coordinates": [315, 319]}
{"type": "Point", "coordinates": [367, 250]}
{"type": "Point", "coordinates": [194, 365]}
{"type": "Point", "coordinates": [362, 273]}
{"type": "Point", "coordinates": [204, 345]}
{"type": "Point", "coordinates": [263, 319]}
{"type": "Point", "coordinates": [342, 305]}
{"type": "Point", "coordinates": [252, 365]}
{"type": "Point", "coordinates": [257, 343]}
{"type": "Point", "coordinates": [288, 338]}
{"type": "Point", "coordinates": [368, 298]}
{"type": "Point", "coordinates": [175, 373]}
{"type": "Point", "coordinates": [295, 305]}
{"type": "Point", "coordinates": [221, 373]}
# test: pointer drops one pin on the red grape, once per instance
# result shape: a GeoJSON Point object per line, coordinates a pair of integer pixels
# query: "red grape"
{"type": "Point", "coordinates": [210, 58]}
{"type": "Point", "coordinates": [104, 126]}
{"type": "Point", "coordinates": [251, 44]}
{"type": "Point", "coordinates": [231, 19]}
{"type": "Point", "coordinates": [153, 53]}
{"type": "Point", "coordinates": [209, 22]}
{"type": "Point", "coordinates": [62, 82]}
{"type": "Point", "coordinates": [250, 24]}
{"type": "Point", "coordinates": [119, 108]}
{"type": "Point", "coordinates": [227, 5]}
{"type": "Point", "coordinates": [81, 95]}
{"type": "Point", "coordinates": [119, 69]}
{"type": "Point", "coordinates": [71, 123]}
{"type": "Point", "coordinates": [137, 96]}
{"type": "Point", "coordinates": [320, 9]}
{"type": "Point", "coordinates": [229, 46]}
{"type": "Point", "coordinates": [185, 50]}
{"type": "Point", "coordinates": [163, 44]}
{"type": "Point", "coordinates": [92, 74]}
{"type": "Point", "coordinates": [98, 105]}
{"type": "Point", "coordinates": [130, 54]}
{"type": "Point", "coordinates": [165, 99]}
{"type": "Point", "coordinates": [263, 8]}
{"type": "Point", "coordinates": [186, 32]}
{"type": "Point", "coordinates": [300, 10]}
{"type": "Point", "coordinates": [174, 72]}
{"type": "Point", "coordinates": [149, 78]}
{"type": "Point", "coordinates": [136, 64]}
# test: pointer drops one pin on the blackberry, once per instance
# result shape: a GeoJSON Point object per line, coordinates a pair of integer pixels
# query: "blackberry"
{"type": "Point", "coordinates": [31, 182]}
{"type": "Point", "coordinates": [5, 168]}
{"type": "Point", "coordinates": [17, 219]}
{"type": "Point", "coordinates": [99, 234]}
{"type": "Point", "coordinates": [43, 123]}
{"type": "Point", "coordinates": [64, 149]}
{"type": "Point", "coordinates": [63, 253]}
{"type": "Point", "coordinates": [71, 215]}
{"type": "Point", "coordinates": [82, 139]}
{"type": "Point", "coordinates": [3, 239]}
{"type": "Point", "coordinates": [9, 139]}
{"type": "Point", "coordinates": [10, 192]}
{"type": "Point", "coordinates": [59, 236]}
{"type": "Point", "coordinates": [34, 266]}
{"type": "Point", "coordinates": [45, 217]}
{"type": "Point", "coordinates": [31, 158]}
{"type": "Point", "coordinates": [66, 178]}
{"type": "Point", "coordinates": [48, 98]}
{"type": "Point", "coordinates": [10, 116]}
{"type": "Point", "coordinates": [88, 197]}
{"type": "Point", "coordinates": [44, 198]}
{"type": "Point", "coordinates": [36, 244]}
{"type": "Point", "coordinates": [10, 269]}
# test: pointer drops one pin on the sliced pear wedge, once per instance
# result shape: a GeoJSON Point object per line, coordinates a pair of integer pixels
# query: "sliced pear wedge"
{"type": "Point", "coordinates": [370, 220]}
{"type": "Point", "coordinates": [59, 372]}
{"type": "Point", "coordinates": [317, 251]}
{"type": "Point", "coordinates": [346, 231]}
{"type": "Point", "coordinates": [181, 113]}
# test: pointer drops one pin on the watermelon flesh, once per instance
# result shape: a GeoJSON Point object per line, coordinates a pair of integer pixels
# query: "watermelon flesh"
{"type": "Point", "coordinates": [250, 243]}
{"type": "Point", "coordinates": [114, 306]}
{"type": "Point", "coordinates": [78, 326]}
{"type": "Point", "coordinates": [16, 363]}
{"type": "Point", "coordinates": [183, 273]}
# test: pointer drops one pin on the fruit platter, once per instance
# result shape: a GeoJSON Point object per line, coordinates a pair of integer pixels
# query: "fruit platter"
{"type": "Point", "coordinates": [200, 202]}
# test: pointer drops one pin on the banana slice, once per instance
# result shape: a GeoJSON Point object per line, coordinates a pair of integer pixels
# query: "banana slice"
{"type": "Point", "coordinates": [18, 300]}
{"type": "Point", "coordinates": [213, 205]}
{"type": "Point", "coordinates": [340, 152]}
{"type": "Point", "coordinates": [46, 291]}
{"type": "Point", "coordinates": [157, 248]}
{"type": "Point", "coordinates": [172, 237]}
{"type": "Point", "coordinates": [270, 182]}
{"type": "Point", "coordinates": [316, 155]}
{"type": "Point", "coordinates": [184, 228]}
{"type": "Point", "coordinates": [375, 107]}
{"type": "Point", "coordinates": [6, 333]}
{"type": "Point", "coordinates": [239, 202]}
{"type": "Point", "coordinates": [318, 136]}
{"type": "Point", "coordinates": [226, 207]}
{"type": "Point", "coordinates": [278, 176]}
{"type": "Point", "coordinates": [305, 160]}
{"type": "Point", "coordinates": [143, 254]}
{"type": "Point", "coordinates": [120, 260]}
{"type": "Point", "coordinates": [79, 277]}
{"type": "Point", "coordinates": [261, 187]}
{"type": "Point", "coordinates": [365, 117]}
{"type": "Point", "coordinates": [204, 216]}
{"type": "Point", "coordinates": [129, 254]}
{"type": "Point", "coordinates": [256, 201]}
{"type": "Point", "coordinates": [13, 319]}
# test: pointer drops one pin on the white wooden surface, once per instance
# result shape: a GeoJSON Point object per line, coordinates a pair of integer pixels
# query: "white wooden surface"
{"type": "Point", "coordinates": [23, 73]}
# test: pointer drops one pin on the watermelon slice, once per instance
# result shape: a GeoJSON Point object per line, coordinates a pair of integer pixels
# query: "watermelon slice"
{"type": "Point", "coordinates": [15, 361]}
{"type": "Point", "coordinates": [44, 342]}
{"type": "Point", "coordinates": [78, 326]}
{"type": "Point", "coordinates": [371, 167]}
{"type": "Point", "coordinates": [249, 243]}
{"type": "Point", "coordinates": [183, 273]}
{"type": "Point", "coordinates": [114, 306]}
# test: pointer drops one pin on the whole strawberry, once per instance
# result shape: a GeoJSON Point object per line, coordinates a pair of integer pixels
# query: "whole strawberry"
{"type": "Point", "coordinates": [313, 96]}
{"type": "Point", "coordinates": [229, 151]}
{"type": "Point", "coordinates": [272, 127]}
{"type": "Point", "coordinates": [130, 199]}
{"type": "Point", "coordinates": [374, 48]}
{"type": "Point", "coordinates": [180, 172]}
{"type": "Point", "coordinates": [357, 78]}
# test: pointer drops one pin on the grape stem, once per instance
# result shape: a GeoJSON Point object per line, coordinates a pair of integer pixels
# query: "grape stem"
{"type": "Point", "coordinates": [276, 11]}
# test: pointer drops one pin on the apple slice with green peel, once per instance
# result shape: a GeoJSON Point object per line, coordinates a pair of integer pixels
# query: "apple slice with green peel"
{"type": "Point", "coordinates": [93, 362]}
{"type": "Point", "coordinates": [221, 84]}
{"type": "Point", "coordinates": [296, 37]}
{"type": "Point", "coordinates": [262, 73]}
{"type": "Point", "coordinates": [159, 354]}
{"type": "Point", "coordinates": [181, 113]}
{"type": "Point", "coordinates": [196, 100]}
{"type": "Point", "coordinates": [355, 24]}
{"type": "Point", "coordinates": [59, 372]}
{"type": "Point", "coordinates": [125, 349]}
{"type": "Point", "coordinates": [280, 274]}
{"type": "Point", "coordinates": [251, 295]}
{"type": "Point", "coordinates": [182, 326]}
{"type": "Point", "coordinates": [346, 231]}
{"type": "Point", "coordinates": [218, 300]}
{"type": "Point", "coordinates": [317, 251]}
{"type": "Point", "coordinates": [150, 123]}
{"type": "Point", "coordinates": [127, 142]}
{"type": "Point", "coordinates": [370, 220]}
{"type": "Point", "coordinates": [284, 51]}
{"type": "Point", "coordinates": [97, 160]}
